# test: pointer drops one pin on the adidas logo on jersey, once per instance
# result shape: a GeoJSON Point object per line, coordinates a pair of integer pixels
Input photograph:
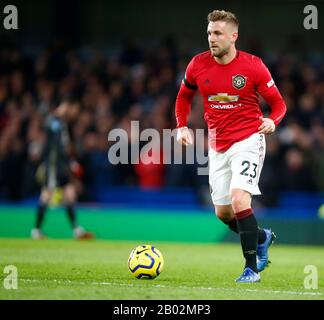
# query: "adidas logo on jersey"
{"type": "Point", "coordinates": [250, 181]}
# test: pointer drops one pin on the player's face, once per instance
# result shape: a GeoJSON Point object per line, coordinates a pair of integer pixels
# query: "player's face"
{"type": "Point", "coordinates": [221, 36]}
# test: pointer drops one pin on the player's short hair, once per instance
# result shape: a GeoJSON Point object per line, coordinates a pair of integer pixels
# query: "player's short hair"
{"type": "Point", "coordinates": [222, 15]}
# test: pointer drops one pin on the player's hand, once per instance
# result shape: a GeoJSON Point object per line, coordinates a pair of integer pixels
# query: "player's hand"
{"type": "Point", "coordinates": [183, 136]}
{"type": "Point", "coordinates": [267, 126]}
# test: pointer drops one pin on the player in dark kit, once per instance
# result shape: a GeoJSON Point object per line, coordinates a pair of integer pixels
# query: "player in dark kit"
{"type": "Point", "coordinates": [57, 171]}
{"type": "Point", "coordinates": [230, 81]}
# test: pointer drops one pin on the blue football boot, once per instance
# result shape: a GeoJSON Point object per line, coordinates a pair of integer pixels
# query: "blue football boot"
{"type": "Point", "coordinates": [262, 250]}
{"type": "Point", "coordinates": [248, 276]}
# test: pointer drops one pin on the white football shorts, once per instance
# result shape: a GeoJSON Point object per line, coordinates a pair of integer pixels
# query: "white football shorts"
{"type": "Point", "coordinates": [239, 167]}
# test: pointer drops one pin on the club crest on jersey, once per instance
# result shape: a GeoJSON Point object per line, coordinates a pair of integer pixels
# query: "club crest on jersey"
{"type": "Point", "coordinates": [238, 81]}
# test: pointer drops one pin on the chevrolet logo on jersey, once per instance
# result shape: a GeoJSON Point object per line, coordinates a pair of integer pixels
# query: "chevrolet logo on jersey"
{"type": "Point", "coordinates": [223, 97]}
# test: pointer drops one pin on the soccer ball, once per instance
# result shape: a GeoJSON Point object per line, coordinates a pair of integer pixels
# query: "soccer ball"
{"type": "Point", "coordinates": [145, 262]}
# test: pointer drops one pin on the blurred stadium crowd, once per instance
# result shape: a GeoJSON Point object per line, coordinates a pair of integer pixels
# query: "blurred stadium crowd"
{"type": "Point", "coordinates": [141, 84]}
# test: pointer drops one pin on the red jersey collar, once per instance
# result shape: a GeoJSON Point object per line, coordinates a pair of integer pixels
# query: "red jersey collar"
{"type": "Point", "coordinates": [227, 64]}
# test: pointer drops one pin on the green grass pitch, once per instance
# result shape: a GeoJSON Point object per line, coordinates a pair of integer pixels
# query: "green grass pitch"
{"type": "Point", "coordinates": [68, 269]}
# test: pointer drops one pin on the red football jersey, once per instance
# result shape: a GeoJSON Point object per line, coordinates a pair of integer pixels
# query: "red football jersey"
{"type": "Point", "coordinates": [230, 95]}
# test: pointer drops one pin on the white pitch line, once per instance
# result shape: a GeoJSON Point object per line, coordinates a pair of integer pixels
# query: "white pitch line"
{"type": "Point", "coordinates": [181, 287]}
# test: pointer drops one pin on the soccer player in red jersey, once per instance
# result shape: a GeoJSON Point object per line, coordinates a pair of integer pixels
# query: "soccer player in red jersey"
{"type": "Point", "coordinates": [230, 81]}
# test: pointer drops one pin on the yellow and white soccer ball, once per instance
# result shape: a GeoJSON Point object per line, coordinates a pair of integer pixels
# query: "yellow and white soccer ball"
{"type": "Point", "coordinates": [145, 262]}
